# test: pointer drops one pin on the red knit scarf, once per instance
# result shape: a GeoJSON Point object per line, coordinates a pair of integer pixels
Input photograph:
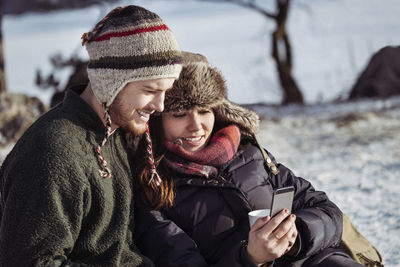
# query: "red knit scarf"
{"type": "Point", "coordinates": [222, 147]}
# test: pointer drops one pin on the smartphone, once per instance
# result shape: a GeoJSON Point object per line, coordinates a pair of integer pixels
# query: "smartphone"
{"type": "Point", "coordinates": [282, 199]}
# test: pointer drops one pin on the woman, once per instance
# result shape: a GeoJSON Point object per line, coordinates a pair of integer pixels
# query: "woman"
{"type": "Point", "coordinates": [213, 172]}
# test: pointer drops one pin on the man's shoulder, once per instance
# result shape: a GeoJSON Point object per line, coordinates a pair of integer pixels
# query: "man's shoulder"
{"type": "Point", "coordinates": [52, 144]}
{"type": "Point", "coordinates": [50, 127]}
{"type": "Point", "coordinates": [52, 133]}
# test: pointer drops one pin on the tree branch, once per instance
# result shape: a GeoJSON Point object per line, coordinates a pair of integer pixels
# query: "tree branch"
{"type": "Point", "coordinates": [248, 4]}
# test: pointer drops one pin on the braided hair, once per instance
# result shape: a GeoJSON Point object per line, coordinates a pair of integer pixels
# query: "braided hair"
{"type": "Point", "coordinates": [154, 176]}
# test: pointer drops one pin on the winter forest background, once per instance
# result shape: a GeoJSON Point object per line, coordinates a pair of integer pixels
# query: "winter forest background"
{"type": "Point", "coordinates": [351, 150]}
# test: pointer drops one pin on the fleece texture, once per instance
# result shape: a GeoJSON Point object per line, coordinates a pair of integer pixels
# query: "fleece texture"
{"type": "Point", "coordinates": [55, 208]}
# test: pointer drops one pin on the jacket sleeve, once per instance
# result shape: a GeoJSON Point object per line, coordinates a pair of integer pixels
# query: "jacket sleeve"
{"type": "Point", "coordinates": [42, 206]}
{"type": "Point", "coordinates": [167, 245]}
{"type": "Point", "coordinates": [319, 220]}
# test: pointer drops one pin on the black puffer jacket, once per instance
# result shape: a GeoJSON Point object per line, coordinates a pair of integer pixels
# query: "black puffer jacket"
{"type": "Point", "coordinates": [209, 220]}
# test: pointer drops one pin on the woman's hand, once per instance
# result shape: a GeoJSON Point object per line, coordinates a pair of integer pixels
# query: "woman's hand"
{"type": "Point", "coordinates": [270, 238]}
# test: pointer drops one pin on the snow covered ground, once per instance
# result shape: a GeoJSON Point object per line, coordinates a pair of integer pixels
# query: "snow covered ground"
{"type": "Point", "coordinates": [351, 151]}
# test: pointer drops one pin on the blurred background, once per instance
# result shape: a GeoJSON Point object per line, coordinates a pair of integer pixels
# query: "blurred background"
{"type": "Point", "coordinates": [323, 74]}
{"type": "Point", "coordinates": [330, 42]}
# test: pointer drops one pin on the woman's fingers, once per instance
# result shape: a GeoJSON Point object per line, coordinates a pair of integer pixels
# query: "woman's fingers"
{"type": "Point", "coordinates": [284, 225]}
{"type": "Point", "coordinates": [260, 223]}
{"type": "Point", "coordinates": [276, 221]}
{"type": "Point", "coordinates": [264, 243]}
{"type": "Point", "coordinates": [285, 234]}
{"type": "Point", "coordinates": [292, 237]}
{"type": "Point", "coordinates": [268, 224]}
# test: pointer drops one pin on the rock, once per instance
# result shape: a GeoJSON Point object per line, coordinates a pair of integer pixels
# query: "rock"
{"type": "Point", "coordinates": [381, 78]}
{"type": "Point", "coordinates": [18, 112]}
{"type": "Point", "coordinates": [78, 77]}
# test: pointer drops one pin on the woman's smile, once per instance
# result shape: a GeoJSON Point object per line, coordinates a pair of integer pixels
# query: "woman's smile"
{"type": "Point", "coordinates": [190, 128]}
{"type": "Point", "coordinates": [194, 141]}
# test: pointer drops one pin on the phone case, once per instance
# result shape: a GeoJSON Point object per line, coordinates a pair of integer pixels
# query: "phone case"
{"type": "Point", "coordinates": [282, 199]}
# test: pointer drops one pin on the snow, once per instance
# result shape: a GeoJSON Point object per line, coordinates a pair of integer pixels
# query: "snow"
{"type": "Point", "coordinates": [349, 150]}
{"type": "Point", "coordinates": [354, 156]}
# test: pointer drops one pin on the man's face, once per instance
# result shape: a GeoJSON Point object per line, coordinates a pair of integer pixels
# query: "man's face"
{"type": "Point", "coordinates": [132, 107]}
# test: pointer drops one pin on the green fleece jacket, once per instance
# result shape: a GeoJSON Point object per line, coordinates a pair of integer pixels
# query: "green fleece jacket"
{"type": "Point", "coordinates": [55, 208]}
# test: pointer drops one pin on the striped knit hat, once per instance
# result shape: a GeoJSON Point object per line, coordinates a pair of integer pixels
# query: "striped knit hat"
{"type": "Point", "coordinates": [129, 44]}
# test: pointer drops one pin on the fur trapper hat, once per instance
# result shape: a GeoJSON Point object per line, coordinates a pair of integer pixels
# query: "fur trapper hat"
{"type": "Point", "coordinates": [201, 85]}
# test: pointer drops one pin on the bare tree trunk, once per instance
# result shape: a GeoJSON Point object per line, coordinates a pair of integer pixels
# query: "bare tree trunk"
{"type": "Point", "coordinates": [281, 52]}
{"type": "Point", "coordinates": [281, 48]}
{"type": "Point", "coordinates": [2, 72]}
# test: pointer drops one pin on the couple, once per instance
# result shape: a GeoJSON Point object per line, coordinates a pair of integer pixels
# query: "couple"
{"type": "Point", "coordinates": [78, 190]}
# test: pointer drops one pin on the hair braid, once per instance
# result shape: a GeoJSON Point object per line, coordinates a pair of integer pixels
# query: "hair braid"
{"type": "Point", "coordinates": [155, 177]}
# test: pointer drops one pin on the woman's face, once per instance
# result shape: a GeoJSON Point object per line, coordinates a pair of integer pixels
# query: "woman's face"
{"type": "Point", "coordinates": [193, 127]}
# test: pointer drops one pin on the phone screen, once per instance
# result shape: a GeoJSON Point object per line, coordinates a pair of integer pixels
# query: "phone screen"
{"type": "Point", "coordinates": [282, 199]}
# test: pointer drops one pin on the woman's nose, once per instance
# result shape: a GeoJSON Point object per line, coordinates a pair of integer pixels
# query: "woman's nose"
{"type": "Point", "coordinates": [194, 123]}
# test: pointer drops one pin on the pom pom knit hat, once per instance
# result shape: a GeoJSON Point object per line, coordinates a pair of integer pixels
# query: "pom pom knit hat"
{"type": "Point", "coordinates": [129, 44]}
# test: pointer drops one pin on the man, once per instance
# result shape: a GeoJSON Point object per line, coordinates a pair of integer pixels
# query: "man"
{"type": "Point", "coordinates": [66, 187]}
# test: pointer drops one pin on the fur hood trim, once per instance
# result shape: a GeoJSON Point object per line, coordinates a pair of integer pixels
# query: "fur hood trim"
{"type": "Point", "coordinates": [247, 120]}
{"type": "Point", "coordinates": [201, 85]}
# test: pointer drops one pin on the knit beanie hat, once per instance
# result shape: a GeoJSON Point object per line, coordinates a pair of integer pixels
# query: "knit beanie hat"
{"type": "Point", "coordinates": [129, 44]}
{"type": "Point", "coordinates": [201, 85]}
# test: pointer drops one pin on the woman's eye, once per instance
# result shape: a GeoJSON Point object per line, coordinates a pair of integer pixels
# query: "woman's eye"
{"type": "Point", "coordinates": [178, 115]}
{"type": "Point", "coordinates": [204, 111]}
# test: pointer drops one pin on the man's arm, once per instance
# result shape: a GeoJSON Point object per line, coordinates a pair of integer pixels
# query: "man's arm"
{"type": "Point", "coordinates": [42, 210]}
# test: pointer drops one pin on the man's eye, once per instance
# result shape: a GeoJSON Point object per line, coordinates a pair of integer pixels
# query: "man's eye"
{"type": "Point", "coordinates": [149, 90]}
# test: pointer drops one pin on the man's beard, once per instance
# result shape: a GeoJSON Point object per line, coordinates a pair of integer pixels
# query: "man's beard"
{"type": "Point", "coordinates": [128, 123]}
{"type": "Point", "coordinates": [133, 127]}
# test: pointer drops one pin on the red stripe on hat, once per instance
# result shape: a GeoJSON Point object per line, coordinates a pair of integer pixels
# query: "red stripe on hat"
{"type": "Point", "coordinates": [131, 32]}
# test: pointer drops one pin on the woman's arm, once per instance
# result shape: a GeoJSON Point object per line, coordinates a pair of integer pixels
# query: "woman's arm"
{"type": "Point", "coordinates": [167, 245]}
{"type": "Point", "coordinates": [319, 220]}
